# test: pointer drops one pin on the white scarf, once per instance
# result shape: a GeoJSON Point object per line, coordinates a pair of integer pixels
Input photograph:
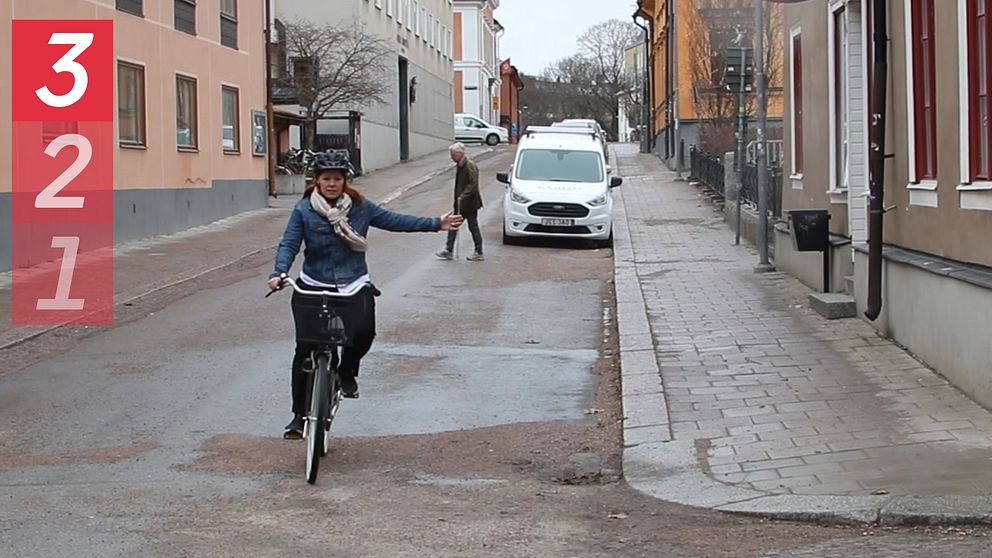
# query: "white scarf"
{"type": "Point", "coordinates": [337, 216]}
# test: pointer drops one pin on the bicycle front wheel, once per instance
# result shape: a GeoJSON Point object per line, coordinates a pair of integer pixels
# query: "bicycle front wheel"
{"type": "Point", "coordinates": [317, 418]}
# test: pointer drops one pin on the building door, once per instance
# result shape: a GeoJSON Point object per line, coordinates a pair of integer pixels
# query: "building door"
{"type": "Point", "coordinates": [404, 85]}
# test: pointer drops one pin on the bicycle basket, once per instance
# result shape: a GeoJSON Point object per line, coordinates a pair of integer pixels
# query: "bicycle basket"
{"type": "Point", "coordinates": [327, 321]}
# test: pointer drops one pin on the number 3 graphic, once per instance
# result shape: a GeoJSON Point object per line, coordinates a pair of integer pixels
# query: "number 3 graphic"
{"type": "Point", "coordinates": [80, 42]}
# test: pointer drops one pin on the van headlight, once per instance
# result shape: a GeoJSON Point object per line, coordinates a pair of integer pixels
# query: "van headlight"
{"type": "Point", "coordinates": [518, 197]}
{"type": "Point", "coordinates": [599, 202]}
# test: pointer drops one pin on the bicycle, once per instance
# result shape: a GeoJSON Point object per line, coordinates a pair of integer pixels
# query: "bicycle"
{"type": "Point", "coordinates": [322, 319]}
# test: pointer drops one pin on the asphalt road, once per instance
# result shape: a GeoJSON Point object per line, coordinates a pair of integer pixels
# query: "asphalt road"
{"type": "Point", "coordinates": [487, 426]}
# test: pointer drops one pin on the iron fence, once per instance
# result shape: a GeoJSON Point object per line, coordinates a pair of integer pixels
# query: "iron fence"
{"type": "Point", "coordinates": [749, 188]}
{"type": "Point", "coordinates": [708, 169]}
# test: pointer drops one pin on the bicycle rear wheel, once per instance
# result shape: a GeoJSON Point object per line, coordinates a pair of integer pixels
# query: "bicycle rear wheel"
{"type": "Point", "coordinates": [317, 419]}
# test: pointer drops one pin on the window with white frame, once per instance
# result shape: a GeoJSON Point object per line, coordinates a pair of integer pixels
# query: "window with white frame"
{"type": "Point", "coordinates": [922, 90]}
{"type": "Point", "coordinates": [378, 4]}
{"type": "Point", "coordinates": [400, 12]}
{"type": "Point", "coordinates": [796, 96]}
{"type": "Point", "coordinates": [979, 74]}
{"type": "Point", "coordinates": [839, 122]}
{"type": "Point", "coordinates": [389, 7]}
{"type": "Point", "coordinates": [417, 27]}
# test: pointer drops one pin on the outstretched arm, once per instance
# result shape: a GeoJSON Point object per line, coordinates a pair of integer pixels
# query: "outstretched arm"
{"type": "Point", "coordinates": [400, 222]}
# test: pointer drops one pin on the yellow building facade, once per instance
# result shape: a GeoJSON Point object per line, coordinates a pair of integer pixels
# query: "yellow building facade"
{"type": "Point", "coordinates": [689, 41]}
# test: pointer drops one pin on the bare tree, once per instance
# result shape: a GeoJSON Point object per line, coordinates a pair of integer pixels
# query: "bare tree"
{"type": "Point", "coordinates": [604, 45]}
{"type": "Point", "coordinates": [714, 26]}
{"type": "Point", "coordinates": [330, 67]}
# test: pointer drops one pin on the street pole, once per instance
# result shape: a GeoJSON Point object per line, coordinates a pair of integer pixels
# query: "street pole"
{"type": "Point", "coordinates": [739, 162]}
{"type": "Point", "coordinates": [761, 159]}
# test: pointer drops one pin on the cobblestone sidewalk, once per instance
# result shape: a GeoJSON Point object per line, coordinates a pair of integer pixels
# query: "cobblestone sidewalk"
{"type": "Point", "coordinates": [774, 398]}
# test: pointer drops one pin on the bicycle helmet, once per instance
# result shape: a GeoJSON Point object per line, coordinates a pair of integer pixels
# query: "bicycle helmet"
{"type": "Point", "coordinates": [335, 159]}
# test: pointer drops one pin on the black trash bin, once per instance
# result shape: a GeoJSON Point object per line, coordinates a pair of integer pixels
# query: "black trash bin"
{"type": "Point", "coordinates": [810, 229]}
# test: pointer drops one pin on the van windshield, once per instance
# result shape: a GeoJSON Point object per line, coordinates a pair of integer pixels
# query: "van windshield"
{"type": "Point", "coordinates": [559, 165]}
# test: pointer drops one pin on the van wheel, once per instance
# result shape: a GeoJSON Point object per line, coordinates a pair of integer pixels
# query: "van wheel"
{"type": "Point", "coordinates": [608, 243]}
{"type": "Point", "coordinates": [509, 240]}
{"type": "Point", "coordinates": [492, 139]}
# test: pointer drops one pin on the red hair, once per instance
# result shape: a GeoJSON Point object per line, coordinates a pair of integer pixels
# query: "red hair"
{"type": "Point", "coordinates": [349, 188]}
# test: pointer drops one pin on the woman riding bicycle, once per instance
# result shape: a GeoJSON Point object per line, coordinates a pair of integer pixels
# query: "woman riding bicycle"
{"type": "Point", "coordinates": [332, 221]}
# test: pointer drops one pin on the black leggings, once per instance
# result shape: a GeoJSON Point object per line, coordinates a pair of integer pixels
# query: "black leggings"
{"type": "Point", "coordinates": [364, 334]}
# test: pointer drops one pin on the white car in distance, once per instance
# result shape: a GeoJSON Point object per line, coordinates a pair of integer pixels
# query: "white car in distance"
{"type": "Point", "coordinates": [471, 128]}
{"type": "Point", "coordinates": [559, 187]}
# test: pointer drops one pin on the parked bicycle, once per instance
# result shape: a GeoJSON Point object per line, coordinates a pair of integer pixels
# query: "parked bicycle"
{"type": "Point", "coordinates": [323, 319]}
{"type": "Point", "coordinates": [298, 161]}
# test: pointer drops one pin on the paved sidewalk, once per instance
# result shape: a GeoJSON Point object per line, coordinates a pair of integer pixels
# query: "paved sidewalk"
{"type": "Point", "coordinates": [148, 266]}
{"type": "Point", "coordinates": [738, 397]}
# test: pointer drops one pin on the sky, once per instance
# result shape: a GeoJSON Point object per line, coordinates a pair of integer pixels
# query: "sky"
{"type": "Point", "coordinates": [539, 32]}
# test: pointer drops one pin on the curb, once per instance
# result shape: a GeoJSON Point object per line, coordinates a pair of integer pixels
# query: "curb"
{"type": "Point", "coordinates": [393, 196]}
{"type": "Point", "coordinates": [659, 466]}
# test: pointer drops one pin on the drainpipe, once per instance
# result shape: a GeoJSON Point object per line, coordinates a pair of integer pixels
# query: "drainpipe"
{"type": "Point", "coordinates": [876, 185]}
{"type": "Point", "coordinates": [270, 133]}
{"type": "Point", "coordinates": [648, 107]}
{"type": "Point", "coordinates": [670, 64]}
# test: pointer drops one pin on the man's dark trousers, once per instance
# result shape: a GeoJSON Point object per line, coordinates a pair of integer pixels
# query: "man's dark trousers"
{"type": "Point", "coordinates": [473, 226]}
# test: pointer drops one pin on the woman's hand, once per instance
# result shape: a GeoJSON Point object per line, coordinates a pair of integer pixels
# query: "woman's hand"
{"type": "Point", "coordinates": [274, 283]}
{"type": "Point", "coordinates": [450, 221]}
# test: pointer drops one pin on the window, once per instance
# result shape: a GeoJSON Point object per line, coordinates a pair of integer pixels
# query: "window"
{"type": "Point", "coordinates": [185, 15]}
{"type": "Point", "coordinates": [400, 11]}
{"type": "Point", "coordinates": [229, 23]}
{"type": "Point", "coordinates": [797, 102]}
{"type": "Point", "coordinates": [131, 7]}
{"type": "Point", "coordinates": [186, 136]}
{"type": "Point", "coordinates": [130, 104]}
{"type": "Point", "coordinates": [424, 29]}
{"type": "Point", "coordinates": [416, 18]}
{"type": "Point", "coordinates": [378, 4]}
{"type": "Point", "coordinates": [411, 13]}
{"type": "Point", "coordinates": [980, 102]}
{"type": "Point", "coordinates": [389, 7]}
{"type": "Point", "coordinates": [924, 90]}
{"type": "Point", "coordinates": [560, 165]}
{"type": "Point", "coordinates": [430, 29]}
{"type": "Point", "coordinates": [230, 132]}
{"type": "Point", "coordinates": [838, 93]}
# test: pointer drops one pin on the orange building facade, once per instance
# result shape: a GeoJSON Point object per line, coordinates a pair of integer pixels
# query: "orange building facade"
{"type": "Point", "coordinates": [689, 40]}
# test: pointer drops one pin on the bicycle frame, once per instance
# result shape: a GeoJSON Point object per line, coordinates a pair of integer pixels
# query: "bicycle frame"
{"type": "Point", "coordinates": [325, 389]}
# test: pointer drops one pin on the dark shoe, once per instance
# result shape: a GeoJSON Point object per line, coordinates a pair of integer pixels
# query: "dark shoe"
{"type": "Point", "coordinates": [294, 430]}
{"type": "Point", "coordinates": [445, 255]}
{"type": "Point", "coordinates": [349, 387]}
{"type": "Point", "coordinates": [476, 257]}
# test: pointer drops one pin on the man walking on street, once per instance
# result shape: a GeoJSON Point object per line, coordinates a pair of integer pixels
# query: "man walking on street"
{"type": "Point", "coordinates": [468, 201]}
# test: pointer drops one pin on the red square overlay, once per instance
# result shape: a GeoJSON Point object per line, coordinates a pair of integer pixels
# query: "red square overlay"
{"type": "Point", "coordinates": [36, 196]}
{"type": "Point", "coordinates": [86, 80]}
{"type": "Point", "coordinates": [81, 261]}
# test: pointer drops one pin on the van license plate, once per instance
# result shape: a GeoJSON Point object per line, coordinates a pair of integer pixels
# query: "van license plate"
{"type": "Point", "coordinates": [558, 222]}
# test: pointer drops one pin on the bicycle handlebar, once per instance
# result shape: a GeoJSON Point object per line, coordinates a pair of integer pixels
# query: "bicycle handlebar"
{"type": "Point", "coordinates": [287, 279]}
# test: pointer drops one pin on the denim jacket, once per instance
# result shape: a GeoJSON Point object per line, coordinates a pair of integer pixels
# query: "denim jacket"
{"type": "Point", "coordinates": [326, 257]}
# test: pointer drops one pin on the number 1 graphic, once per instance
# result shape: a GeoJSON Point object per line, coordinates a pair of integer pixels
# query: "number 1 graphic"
{"type": "Point", "coordinates": [70, 248]}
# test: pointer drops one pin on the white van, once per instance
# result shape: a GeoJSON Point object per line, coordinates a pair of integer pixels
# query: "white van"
{"type": "Point", "coordinates": [471, 128]}
{"type": "Point", "coordinates": [559, 186]}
